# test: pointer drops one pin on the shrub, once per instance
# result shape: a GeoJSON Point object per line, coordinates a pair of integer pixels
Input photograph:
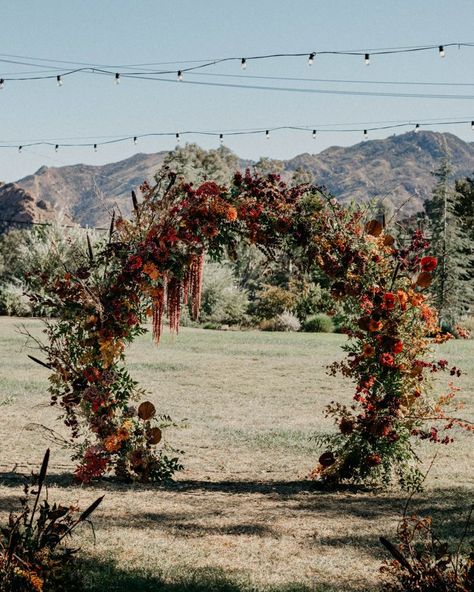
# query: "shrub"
{"type": "Point", "coordinates": [283, 322]}
{"type": "Point", "coordinates": [273, 301]}
{"type": "Point", "coordinates": [25, 255]}
{"type": "Point", "coordinates": [223, 302]}
{"type": "Point", "coordinates": [212, 326]}
{"type": "Point", "coordinates": [319, 323]}
{"type": "Point", "coordinates": [33, 555]}
{"type": "Point", "coordinates": [13, 301]}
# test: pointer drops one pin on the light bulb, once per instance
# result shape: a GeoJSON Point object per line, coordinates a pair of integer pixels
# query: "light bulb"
{"type": "Point", "coordinates": [180, 75]}
{"type": "Point", "coordinates": [135, 139]}
{"type": "Point", "coordinates": [177, 138]}
{"type": "Point", "coordinates": [20, 148]}
{"type": "Point", "coordinates": [221, 138]}
{"type": "Point", "coordinates": [117, 78]}
{"type": "Point", "coordinates": [441, 51]}
{"type": "Point", "coordinates": [59, 80]}
{"type": "Point", "coordinates": [243, 64]}
{"type": "Point", "coordinates": [56, 148]}
{"type": "Point", "coordinates": [267, 134]}
{"type": "Point", "coordinates": [314, 134]}
{"type": "Point", "coordinates": [2, 83]}
{"type": "Point", "coordinates": [367, 59]}
{"type": "Point", "coordinates": [417, 128]}
{"type": "Point", "coordinates": [95, 147]}
{"type": "Point", "coordinates": [311, 57]}
{"type": "Point", "coordinates": [366, 135]}
{"type": "Point", "coordinates": [472, 125]}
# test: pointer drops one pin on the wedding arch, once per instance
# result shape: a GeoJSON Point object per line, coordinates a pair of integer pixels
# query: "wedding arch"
{"type": "Point", "coordinates": [152, 264]}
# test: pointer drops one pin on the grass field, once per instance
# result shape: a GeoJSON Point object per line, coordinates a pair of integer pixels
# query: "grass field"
{"type": "Point", "coordinates": [240, 516]}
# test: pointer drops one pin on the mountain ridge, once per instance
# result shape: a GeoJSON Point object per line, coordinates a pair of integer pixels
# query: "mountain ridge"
{"type": "Point", "coordinates": [398, 167]}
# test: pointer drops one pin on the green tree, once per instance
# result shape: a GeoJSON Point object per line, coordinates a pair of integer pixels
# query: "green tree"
{"type": "Point", "coordinates": [449, 244]}
{"type": "Point", "coordinates": [197, 165]}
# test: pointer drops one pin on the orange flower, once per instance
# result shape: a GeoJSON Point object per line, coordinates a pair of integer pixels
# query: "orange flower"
{"type": "Point", "coordinates": [402, 299]}
{"type": "Point", "coordinates": [375, 325]}
{"type": "Point", "coordinates": [112, 443]}
{"type": "Point", "coordinates": [416, 298]}
{"type": "Point", "coordinates": [369, 350]}
{"type": "Point", "coordinates": [231, 214]}
{"type": "Point", "coordinates": [151, 271]}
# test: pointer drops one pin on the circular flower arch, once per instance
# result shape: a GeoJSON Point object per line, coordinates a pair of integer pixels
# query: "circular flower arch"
{"type": "Point", "coordinates": [152, 264]}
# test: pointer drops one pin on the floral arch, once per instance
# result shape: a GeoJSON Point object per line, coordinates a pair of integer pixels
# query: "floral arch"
{"type": "Point", "coordinates": [151, 264]}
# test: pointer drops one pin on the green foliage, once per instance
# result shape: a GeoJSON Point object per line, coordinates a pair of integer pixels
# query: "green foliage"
{"type": "Point", "coordinates": [223, 302]}
{"type": "Point", "coordinates": [286, 321]}
{"type": "Point", "coordinates": [13, 301]}
{"type": "Point", "coordinates": [27, 256]}
{"type": "Point", "coordinates": [452, 284]}
{"type": "Point", "coordinates": [273, 301]}
{"type": "Point", "coordinates": [319, 323]}
{"type": "Point", "coordinates": [33, 555]}
{"type": "Point", "coordinates": [195, 165]}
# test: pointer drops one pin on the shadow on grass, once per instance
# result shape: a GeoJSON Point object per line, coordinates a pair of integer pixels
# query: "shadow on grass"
{"type": "Point", "coordinates": [100, 576]}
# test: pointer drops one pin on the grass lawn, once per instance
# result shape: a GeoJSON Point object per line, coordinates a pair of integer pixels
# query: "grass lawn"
{"type": "Point", "coordinates": [241, 516]}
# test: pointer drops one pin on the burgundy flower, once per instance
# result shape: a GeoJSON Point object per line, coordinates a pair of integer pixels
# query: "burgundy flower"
{"type": "Point", "coordinates": [428, 263]}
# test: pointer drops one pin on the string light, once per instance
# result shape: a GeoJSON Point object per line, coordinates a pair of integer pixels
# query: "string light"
{"type": "Point", "coordinates": [2, 83]}
{"type": "Point", "coordinates": [324, 128]}
{"type": "Point", "coordinates": [243, 64]}
{"type": "Point", "coordinates": [59, 80]}
{"type": "Point", "coordinates": [77, 68]}
{"type": "Point", "coordinates": [180, 75]}
{"type": "Point", "coordinates": [117, 78]}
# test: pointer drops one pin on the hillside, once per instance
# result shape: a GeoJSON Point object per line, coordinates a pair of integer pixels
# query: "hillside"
{"type": "Point", "coordinates": [399, 167]}
{"type": "Point", "coordinates": [20, 206]}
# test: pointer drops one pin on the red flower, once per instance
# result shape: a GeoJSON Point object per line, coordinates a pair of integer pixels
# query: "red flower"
{"type": "Point", "coordinates": [135, 262]}
{"type": "Point", "coordinates": [428, 263]}
{"type": "Point", "coordinates": [389, 300]}
{"type": "Point", "coordinates": [387, 359]}
{"type": "Point", "coordinates": [397, 347]}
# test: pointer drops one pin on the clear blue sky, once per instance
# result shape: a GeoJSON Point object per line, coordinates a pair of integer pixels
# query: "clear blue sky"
{"type": "Point", "coordinates": [141, 31]}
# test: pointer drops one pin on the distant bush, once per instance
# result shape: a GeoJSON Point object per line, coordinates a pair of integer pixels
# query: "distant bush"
{"type": "Point", "coordinates": [212, 326]}
{"type": "Point", "coordinates": [223, 302]}
{"type": "Point", "coordinates": [286, 321]}
{"type": "Point", "coordinates": [319, 323]}
{"type": "Point", "coordinates": [13, 302]}
{"type": "Point", "coordinates": [468, 325]}
{"type": "Point", "coordinates": [27, 254]}
{"type": "Point", "coordinates": [273, 301]}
